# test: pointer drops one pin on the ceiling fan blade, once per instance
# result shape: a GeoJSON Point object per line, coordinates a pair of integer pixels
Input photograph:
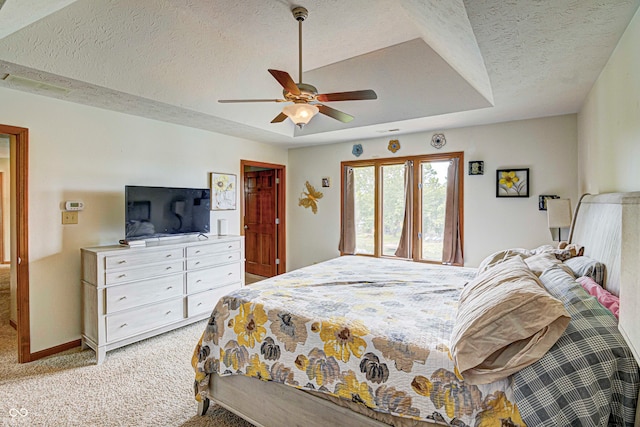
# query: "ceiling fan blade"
{"type": "Point", "coordinates": [286, 81]}
{"type": "Point", "coordinates": [333, 113]}
{"type": "Point", "coordinates": [279, 118]}
{"type": "Point", "coordinates": [355, 95]}
{"type": "Point", "coordinates": [228, 101]}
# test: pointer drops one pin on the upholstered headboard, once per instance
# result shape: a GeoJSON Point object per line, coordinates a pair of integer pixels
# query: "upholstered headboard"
{"type": "Point", "coordinates": [608, 226]}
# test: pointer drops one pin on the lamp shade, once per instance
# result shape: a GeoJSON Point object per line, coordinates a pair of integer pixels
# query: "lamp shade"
{"type": "Point", "coordinates": [559, 213]}
{"type": "Point", "coordinates": [301, 113]}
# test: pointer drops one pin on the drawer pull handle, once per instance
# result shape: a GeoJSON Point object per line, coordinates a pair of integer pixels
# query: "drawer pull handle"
{"type": "Point", "coordinates": [229, 247]}
{"type": "Point", "coordinates": [230, 256]}
{"type": "Point", "coordinates": [124, 325]}
{"type": "Point", "coordinates": [169, 256]}
{"type": "Point", "coordinates": [199, 304]}
{"type": "Point", "coordinates": [170, 287]}
{"type": "Point", "coordinates": [197, 262]}
{"type": "Point", "coordinates": [168, 268]}
{"type": "Point", "coordinates": [199, 280]}
{"type": "Point", "coordinates": [124, 261]}
{"type": "Point", "coordinates": [122, 298]}
{"type": "Point", "coordinates": [121, 276]}
{"type": "Point", "coordinates": [168, 312]}
{"type": "Point", "coordinates": [197, 252]}
{"type": "Point", "coordinates": [229, 274]}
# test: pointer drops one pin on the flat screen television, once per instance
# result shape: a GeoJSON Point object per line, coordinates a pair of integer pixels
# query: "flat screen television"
{"type": "Point", "coordinates": [166, 211]}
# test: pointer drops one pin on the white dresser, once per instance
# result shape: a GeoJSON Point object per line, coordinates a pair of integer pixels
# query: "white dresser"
{"type": "Point", "coordinates": [130, 294]}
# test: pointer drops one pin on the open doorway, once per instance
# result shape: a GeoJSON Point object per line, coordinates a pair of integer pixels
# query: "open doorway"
{"type": "Point", "coordinates": [18, 251]}
{"type": "Point", "coordinates": [262, 213]}
{"type": "Point", "coordinates": [7, 304]}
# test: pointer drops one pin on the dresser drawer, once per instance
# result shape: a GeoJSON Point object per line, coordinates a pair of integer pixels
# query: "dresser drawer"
{"type": "Point", "coordinates": [211, 260]}
{"type": "Point", "coordinates": [201, 280]}
{"type": "Point", "coordinates": [145, 292]}
{"type": "Point", "coordinates": [204, 302]}
{"type": "Point", "coordinates": [196, 251]}
{"type": "Point", "coordinates": [132, 258]}
{"type": "Point", "coordinates": [128, 323]}
{"type": "Point", "coordinates": [121, 276]}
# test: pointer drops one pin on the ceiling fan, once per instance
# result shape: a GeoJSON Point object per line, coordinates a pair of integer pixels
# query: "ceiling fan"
{"type": "Point", "coordinates": [307, 102]}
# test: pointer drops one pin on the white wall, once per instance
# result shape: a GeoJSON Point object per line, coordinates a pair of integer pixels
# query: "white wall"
{"type": "Point", "coordinates": [84, 153]}
{"type": "Point", "coordinates": [609, 122]}
{"type": "Point", "coordinates": [547, 146]}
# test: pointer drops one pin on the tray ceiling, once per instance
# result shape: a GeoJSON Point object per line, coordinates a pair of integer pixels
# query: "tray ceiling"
{"type": "Point", "coordinates": [433, 64]}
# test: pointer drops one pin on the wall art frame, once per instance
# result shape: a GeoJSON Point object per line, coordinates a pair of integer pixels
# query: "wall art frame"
{"type": "Point", "coordinates": [224, 190]}
{"type": "Point", "coordinates": [512, 182]}
{"type": "Point", "coordinates": [476, 167]}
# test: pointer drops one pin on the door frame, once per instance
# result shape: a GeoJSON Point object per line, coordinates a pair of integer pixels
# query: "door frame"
{"type": "Point", "coordinates": [281, 229]}
{"type": "Point", "coordinates": [20, 259]}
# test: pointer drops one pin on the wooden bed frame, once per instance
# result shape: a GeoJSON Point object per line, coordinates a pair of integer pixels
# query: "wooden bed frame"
{"type": "Point", "coordinates": [607, 225]}
{"type": "Point", "coordinates": [266, 404]}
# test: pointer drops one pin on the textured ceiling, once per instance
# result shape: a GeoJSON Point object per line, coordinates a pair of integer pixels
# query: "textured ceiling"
{"type": "Point", "coordinates": [434, 64]}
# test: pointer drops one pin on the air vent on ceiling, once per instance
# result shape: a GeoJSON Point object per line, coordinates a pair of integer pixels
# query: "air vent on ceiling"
{"type": "Point", "coordinates": [34, 84]}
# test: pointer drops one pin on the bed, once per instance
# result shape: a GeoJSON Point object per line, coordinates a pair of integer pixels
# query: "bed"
{"type": "Point", "coordinates": [379, 346]}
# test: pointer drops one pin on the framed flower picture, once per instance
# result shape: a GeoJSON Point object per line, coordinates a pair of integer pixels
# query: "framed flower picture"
{"type": "Point", "coordinates": [512, 183]}
{"type": "Point", "coordinates": [223, 191]}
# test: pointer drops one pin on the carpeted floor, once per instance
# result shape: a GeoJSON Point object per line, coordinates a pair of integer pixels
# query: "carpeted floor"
{"type": "Point", "coordinates": [149, 383]}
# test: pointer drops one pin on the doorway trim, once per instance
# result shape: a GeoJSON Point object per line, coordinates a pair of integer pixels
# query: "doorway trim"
{"type": "Point", "coordinates": [20, 260]}
{"type": "Point", "coordinates": [281, 206]}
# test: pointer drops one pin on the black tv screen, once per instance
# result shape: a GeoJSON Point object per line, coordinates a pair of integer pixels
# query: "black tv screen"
{"type": "Point", "coordinates": [166, 211]}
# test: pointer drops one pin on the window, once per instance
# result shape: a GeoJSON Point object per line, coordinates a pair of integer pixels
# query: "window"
{"type": "Point", "coordinates": [364, 209]}
{"type": "Point", "coordinates": [393, 206]}
{"type": "Point", "coordinates": [433, 200]}
{"type": "Point", "coordinates": [408, 207]}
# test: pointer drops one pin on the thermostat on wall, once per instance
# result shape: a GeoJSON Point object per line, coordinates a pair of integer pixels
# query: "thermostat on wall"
{"type": "Point", "coordinates": [73, 205]}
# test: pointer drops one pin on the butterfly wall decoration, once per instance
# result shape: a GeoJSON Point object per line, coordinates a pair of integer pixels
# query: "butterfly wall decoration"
{"type": "Point", "coordinates": [309, 198]}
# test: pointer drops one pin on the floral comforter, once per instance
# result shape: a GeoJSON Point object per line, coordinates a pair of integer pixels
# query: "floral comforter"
{"type": "Point", "coordinates": [372, 331]}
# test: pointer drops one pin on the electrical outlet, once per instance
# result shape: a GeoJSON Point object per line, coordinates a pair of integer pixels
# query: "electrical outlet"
{"type": "Point", "coordinates": [69, 217]}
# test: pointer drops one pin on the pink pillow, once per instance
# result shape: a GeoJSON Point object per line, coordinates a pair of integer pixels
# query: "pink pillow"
{"type": "Point", "coordinates": [603, 296]}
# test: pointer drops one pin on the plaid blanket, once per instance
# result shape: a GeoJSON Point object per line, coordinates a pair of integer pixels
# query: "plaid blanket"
{"type": "Point", "coordinates": [559, 389]}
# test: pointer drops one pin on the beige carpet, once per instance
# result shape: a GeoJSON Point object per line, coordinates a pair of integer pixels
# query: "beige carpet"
{"type": "Point", "coordinates": [252, 278]}
{"type": "Point", "coordinates": [149, 383]}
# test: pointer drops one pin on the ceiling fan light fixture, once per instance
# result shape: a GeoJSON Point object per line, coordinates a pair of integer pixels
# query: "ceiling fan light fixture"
{"type": "Point", "coordinates": [300, 114]}
{"type": "Point", "coordinates": [302, 94]}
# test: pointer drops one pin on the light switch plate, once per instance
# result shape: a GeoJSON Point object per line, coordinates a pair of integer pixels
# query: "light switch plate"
{"type": "Point", "coordinates": [70, 217]}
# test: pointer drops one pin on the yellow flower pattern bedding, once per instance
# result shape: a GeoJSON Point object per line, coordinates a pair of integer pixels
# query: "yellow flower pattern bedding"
{"type": "Point", "coordinates": [372, 331]}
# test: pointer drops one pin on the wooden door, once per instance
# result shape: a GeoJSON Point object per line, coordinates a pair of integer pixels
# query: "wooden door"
{"type": "Point", "coordinates": [260, 194]}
